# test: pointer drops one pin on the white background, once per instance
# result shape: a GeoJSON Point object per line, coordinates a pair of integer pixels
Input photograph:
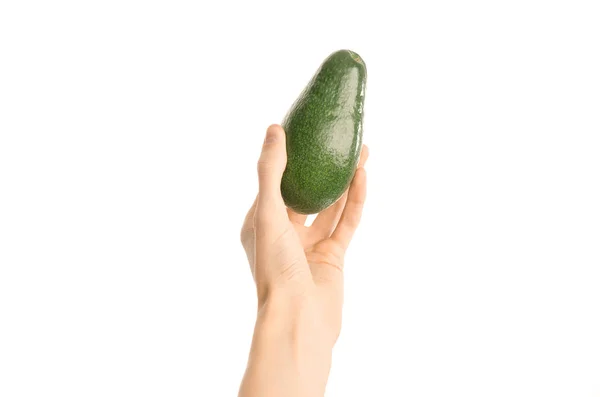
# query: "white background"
{"type": "Point", "coordinates": [129, 134]}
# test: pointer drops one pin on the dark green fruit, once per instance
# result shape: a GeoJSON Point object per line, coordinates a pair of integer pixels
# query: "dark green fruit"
{"type": "Point", "coordinates": [324, 134]}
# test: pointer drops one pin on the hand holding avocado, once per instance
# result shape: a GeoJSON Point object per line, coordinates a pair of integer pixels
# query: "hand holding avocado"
{"type": "Point", "coordinates": [298, 272]}
{"type": "Point", "coordinates": [314, 164]}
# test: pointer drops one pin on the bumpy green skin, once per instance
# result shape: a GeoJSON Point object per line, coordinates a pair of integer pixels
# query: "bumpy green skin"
{"type": "Point", "coordinates": [324, 134]}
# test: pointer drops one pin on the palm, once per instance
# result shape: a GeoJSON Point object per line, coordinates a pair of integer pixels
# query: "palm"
{"type": "Point", "coordinates": [324, 251]}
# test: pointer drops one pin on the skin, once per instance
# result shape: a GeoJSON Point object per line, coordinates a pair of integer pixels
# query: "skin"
{"type": "Point", "coordinates": [298, 272]}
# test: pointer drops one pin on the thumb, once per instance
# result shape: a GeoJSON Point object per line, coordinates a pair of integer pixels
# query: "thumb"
{"type": "Point", "coordinates": [271, 164]}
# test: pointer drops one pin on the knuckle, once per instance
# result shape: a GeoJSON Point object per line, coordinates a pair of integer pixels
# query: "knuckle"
{"type": "Point", "coordinates": [264, 214]}
{"type": "Point", "coordinates": [264, 166]}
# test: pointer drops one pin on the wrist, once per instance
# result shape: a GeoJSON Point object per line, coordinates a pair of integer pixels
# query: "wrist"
{"type": "Point", "coordinates": [296, 320]}
{"type": "Point", "coordinates": [291, 349]}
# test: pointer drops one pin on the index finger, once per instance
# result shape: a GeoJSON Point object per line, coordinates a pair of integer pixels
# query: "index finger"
{"type": "Point", "coordinates": [352, 211]}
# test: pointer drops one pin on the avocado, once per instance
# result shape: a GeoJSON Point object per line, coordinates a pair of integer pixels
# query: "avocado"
{"type": "Point", "coordinates": [324, 130]}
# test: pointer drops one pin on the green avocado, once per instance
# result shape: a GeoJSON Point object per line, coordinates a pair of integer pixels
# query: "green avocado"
{"type": "Point", "coordinates": [324, 134]}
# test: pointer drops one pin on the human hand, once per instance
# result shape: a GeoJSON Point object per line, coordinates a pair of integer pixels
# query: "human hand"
{"type": "Point", "coordinates": [297, 269]}
{"type": "Point", "coordinates": [287, 258]}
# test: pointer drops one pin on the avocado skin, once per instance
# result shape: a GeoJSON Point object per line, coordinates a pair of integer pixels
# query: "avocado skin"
{"type": "Point", "coordinates": [324, 134]}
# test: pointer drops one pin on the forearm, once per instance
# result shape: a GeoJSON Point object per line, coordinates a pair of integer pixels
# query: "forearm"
{"type": "Point", "coordinates": [290, 354]}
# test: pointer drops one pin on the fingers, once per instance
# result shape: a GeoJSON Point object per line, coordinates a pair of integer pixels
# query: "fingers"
{"type": "Point", "coordinates": [364, 155]}
{"type": "Point", "coordinates": [353, 210]}
{"type": "Point", "coordinates": [327, 220]}
{"type": "Point", "coordinates": [271, 165]}
{"type": "Point", "coordinates": [296, 218]}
